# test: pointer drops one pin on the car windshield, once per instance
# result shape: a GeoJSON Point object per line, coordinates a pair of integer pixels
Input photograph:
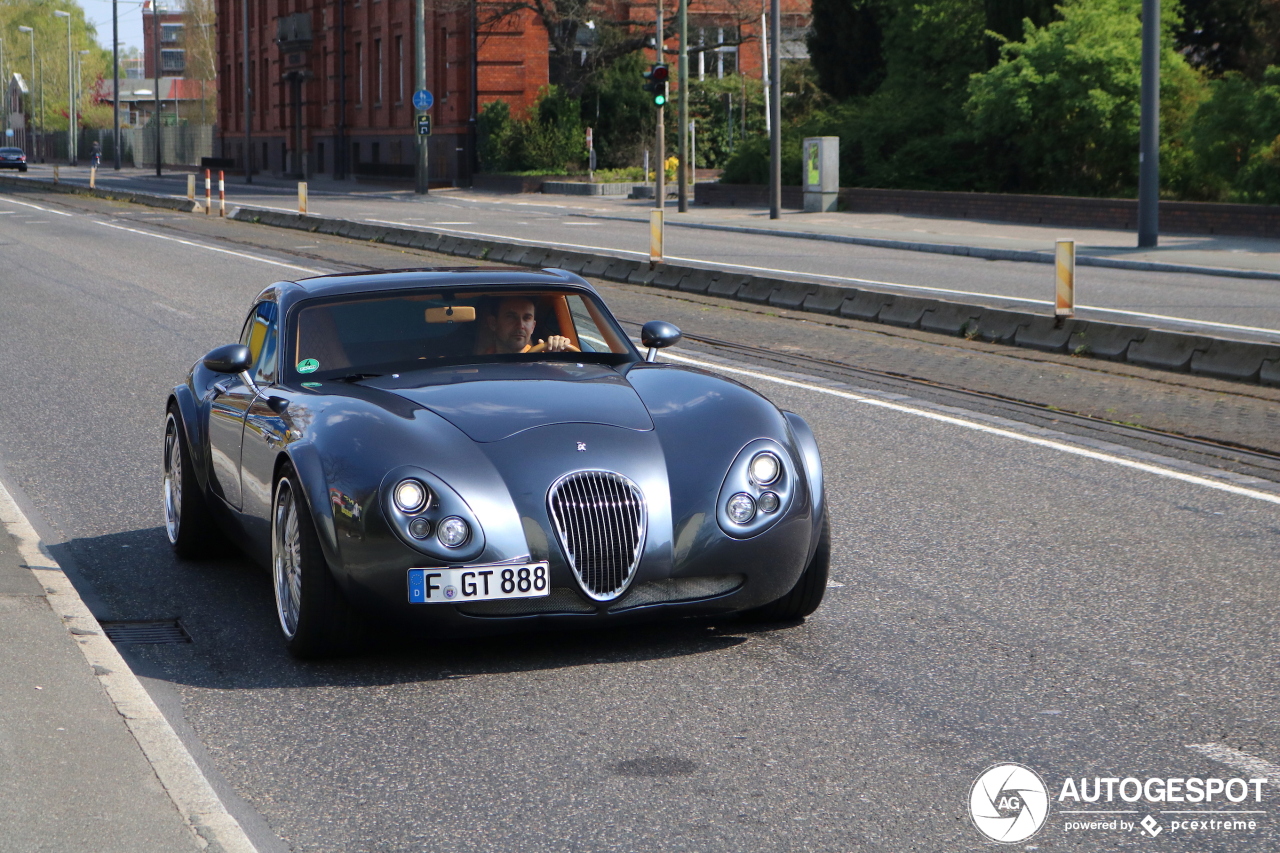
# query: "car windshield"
{"type": "Point", "coordinates": [374, 334]}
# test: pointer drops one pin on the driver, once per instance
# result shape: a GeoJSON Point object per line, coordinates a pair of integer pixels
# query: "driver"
{"type": "Point", "coordinates": [511, 328]}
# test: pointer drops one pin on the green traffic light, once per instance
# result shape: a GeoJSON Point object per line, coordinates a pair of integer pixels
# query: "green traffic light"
{"type": "Point", "coordinates": [659, 100]}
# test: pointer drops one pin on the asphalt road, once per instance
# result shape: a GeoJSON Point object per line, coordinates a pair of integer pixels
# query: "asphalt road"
{"type": "Point", "coordinates": [1003, 594]}
{"type": "Point", "coordinates": [1204, 304]}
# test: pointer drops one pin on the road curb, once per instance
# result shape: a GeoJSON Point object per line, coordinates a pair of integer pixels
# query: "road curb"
{"type": "Point", "coordinates": [213, 826]}
{"type": "Point", "coordinates": [1220, 358]}
{"type": "Point", "coordinates": [149, 199]}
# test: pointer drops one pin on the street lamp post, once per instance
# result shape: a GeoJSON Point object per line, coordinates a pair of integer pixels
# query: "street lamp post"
{"type": "Point", "coordinates": [32, 82]}
{"type": "Point", "coordinates": [155, 14]}
{"type": "Point", "coordinates": [4, 98]}
{"type": "Point", "coordinates": [79, 90]}
{"type": "Point", "coordinates": [71, 91]}
{"type": "Point", "coordinates": [115, 72]}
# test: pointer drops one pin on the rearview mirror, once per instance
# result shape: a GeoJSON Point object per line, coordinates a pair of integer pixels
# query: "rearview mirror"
{"type": "Point", "coordinates": [657, 334]}
{"type": "Point", "coordinates": [231, 358]}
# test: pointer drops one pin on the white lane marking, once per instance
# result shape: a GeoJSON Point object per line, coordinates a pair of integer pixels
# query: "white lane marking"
{"type": "Point", "coordinates": [1005, 433]}
{"type": "Point", "coordinates": [451, 223]}
{"type": "Point", "coordinates": [192, 795]}
{"type": "Point", "coordinates": [247, 257]}
{"type": "Point", "coordinates": [869, 282]}
{"type": "Point", "coordinates": [36, 206]}
{"type": "Point", "coordinates": [1240, 760]}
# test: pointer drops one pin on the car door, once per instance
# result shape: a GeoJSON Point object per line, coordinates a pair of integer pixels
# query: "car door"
{"type": "Point", "coordinates": [232, 396]}
{"type": "Point", "coordinates": [266, 429]}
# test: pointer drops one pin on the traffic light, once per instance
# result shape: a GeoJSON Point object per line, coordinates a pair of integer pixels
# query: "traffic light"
{"type": "Point", "coordinates": [656, 83]}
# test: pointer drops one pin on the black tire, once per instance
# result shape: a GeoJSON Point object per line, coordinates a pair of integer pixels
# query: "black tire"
{"type": "Point", "coordinates": [187, 520]}
{"type": "Point", "coordinates": [314, 616]}
{"type": "Point", "coordinates": [805, 597]}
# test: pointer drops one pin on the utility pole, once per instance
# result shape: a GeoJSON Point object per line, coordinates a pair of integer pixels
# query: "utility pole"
{"type": "Point", "coordinates": [420, 83]}
{"type": "Point", "coordinates": [340, 158]}
{"type": "Point", "coordinates": [71, 92]}
{"type": "Point", "coordinates": [683, 173]}
{"type": "Point", "coordinates": [1149, 129]}
{"type": "Point", "coordinates": [660, 174]}
{"type": "Point", "coordinates": [115, 75]}
{"type": "Point", "coordinates": [248, 95]}
{"type": "Point", "coordinates": [775, 111]}
{"type": "Point", "coordinates": [155, 15]}
{"type": "Point", "coordinates": [4, 98]}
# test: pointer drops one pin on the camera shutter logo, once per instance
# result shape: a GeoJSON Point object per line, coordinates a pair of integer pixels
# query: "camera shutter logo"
{"type": "Point", "coordinates": [1008, 803]}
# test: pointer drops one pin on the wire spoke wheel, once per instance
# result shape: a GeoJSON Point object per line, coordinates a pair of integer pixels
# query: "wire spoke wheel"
{"type": "Point", "coordinates": [286, 559]}
{"type": "Point", "coordinates": [172, 480]}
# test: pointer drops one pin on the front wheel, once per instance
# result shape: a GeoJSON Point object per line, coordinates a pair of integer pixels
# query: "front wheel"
{"type": "Point", "coordinates": [314, 616]}
{"type": "Point", "coordinates": [809, 590]}
{"type": "Point", "coordinates": [187, 519]}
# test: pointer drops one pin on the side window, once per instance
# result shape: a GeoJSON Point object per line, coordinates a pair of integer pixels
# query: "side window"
{"type": "Point", "coordinates": [588, 332]}
{"type": "Point", "coordinates": [260, 336]}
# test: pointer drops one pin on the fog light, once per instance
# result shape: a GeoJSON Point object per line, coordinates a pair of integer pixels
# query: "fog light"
{"type": "Point", "coordinates": [769, 502]}
{"type": "Point", "coordinates": [741, 508]}
{"type": "Point", "coordinates": [765, 468]}
{"type": "Point", "coordinates": [453, 532]}
{"type": "Point", "coordinates": [419, 528]}
{"type": "Point", "coordinates": [410, 496]}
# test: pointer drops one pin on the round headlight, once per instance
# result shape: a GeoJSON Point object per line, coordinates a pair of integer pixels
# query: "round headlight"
{"type": "Point", "coordinates": [741, 508]}
{"type": "Point", "coordinates": [419, 528]}
{"type": "Point", "coordinates": [768, 502]}
{"type": "Point", "coordinates": [765, 468]}
{"type": "Point", "coordinates": [410, 496]}
{"type": "Point", "coordinates": [453, 532]}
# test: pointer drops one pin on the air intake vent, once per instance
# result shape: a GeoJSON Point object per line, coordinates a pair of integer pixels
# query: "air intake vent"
{"type": "Point", "coordinates": [166, 631]}
{"type": "Point", "coordinates": [600, 520]}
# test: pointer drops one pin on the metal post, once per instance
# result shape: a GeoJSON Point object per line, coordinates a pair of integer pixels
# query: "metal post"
{"type": "Point", "coordinates": [683, 171]}
{"type": "Point", "coordinates": [71, 94]}
{"type": "Point", "coordinates": [340, 156]}
{"type": "Point", "coordinates": [155, 13]}
{"type": "Point", "coordinates": [660, 182]}
{"type": "Point", "coordinates": [115, 75]}
{"type": "Point", "coordinates": [775, 111]}
{"type": "Point", "coordinates": [248, 94]}
{"type": "Point", "coordinates": [1149, 134]}
{"type": "Point", "coordinates": [208, 193]}
{"type": "Point", "coordinates": [4, 98]}
{"type": "Point", "coordinates": [473, 127]}
{"type": "Point", "coordinates": [222, 195]}
{"type": "Point", "coordinates": [420, 78]}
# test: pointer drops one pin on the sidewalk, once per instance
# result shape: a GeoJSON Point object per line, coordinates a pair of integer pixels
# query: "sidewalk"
{"type": "Point", "coordinates": [996, 240]}
{"type": "Point", "coordinates": [72, 776]}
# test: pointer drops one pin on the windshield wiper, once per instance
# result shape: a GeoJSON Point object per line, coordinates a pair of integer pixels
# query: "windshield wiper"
{"type": "Point", "coordinates": [355, 377]}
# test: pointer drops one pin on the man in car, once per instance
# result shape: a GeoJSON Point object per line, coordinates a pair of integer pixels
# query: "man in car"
{"type": "Point", "coordinates": [510, 329]}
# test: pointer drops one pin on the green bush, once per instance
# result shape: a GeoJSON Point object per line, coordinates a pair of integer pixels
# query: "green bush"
{"type": "Point", "coordinates": [551, 139]}
{"type": "Point", "coordinates": [1233, 142]}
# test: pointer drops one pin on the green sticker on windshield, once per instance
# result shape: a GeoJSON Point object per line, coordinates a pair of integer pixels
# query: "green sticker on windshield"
{"type": "Point", "coordinates": [308, 365]}
{"type": "Point", "coordinates": [312, 384]}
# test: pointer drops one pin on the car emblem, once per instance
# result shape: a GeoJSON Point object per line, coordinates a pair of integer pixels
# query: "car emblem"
{"type": "Point", "coordinates": [582, 446]}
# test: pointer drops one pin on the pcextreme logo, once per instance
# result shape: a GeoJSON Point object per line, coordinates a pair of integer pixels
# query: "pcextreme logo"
{"type": "Point", "coordinates": [1009, 803]}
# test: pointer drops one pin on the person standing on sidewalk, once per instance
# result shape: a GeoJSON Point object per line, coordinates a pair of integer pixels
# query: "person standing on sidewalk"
{"type": "Point", "coordinates": [95, 154]}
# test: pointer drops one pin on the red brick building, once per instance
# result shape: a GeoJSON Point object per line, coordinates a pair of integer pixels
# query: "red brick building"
{"type": "Point", "coordinates": [173, 54]}
{"type": "Point", "coordinates": [332, 80]}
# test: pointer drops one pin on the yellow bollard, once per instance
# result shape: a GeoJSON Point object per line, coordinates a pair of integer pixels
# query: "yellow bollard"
{"type": "Point", "coordinates": [302, 196]}
{"type": "Point", "coordinates": [191, 187]}
{"type": "Point", "coordinates": [655, 238]}
{"type": "Point", "coordinates": [93, 177]}
{"type": "Point", "coordinates": [55, 173]}
{"type": "Point", "coordinates": [1065, 301]}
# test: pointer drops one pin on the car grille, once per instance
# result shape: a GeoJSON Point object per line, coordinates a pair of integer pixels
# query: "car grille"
{"type": "Point", "coordinates": [600, 520]}
{"type": "Point", "coordinates": [675, 590]}
{"type": "Point", "coordinates": [564, 600]}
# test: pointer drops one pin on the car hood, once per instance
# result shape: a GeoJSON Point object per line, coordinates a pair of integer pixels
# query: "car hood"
{"type": "Point", "coordinates": [495, 401]}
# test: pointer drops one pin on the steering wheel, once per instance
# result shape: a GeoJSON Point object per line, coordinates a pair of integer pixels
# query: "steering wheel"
{"type": "Point", "coordinates": [541, 346]}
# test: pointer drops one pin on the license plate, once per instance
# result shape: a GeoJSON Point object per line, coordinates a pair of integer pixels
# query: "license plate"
{"type": "Point", "coordinates": [478, 583]}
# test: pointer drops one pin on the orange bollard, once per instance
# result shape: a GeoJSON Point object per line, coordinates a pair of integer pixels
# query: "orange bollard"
{"type": "Point", "coordinates": [222, 195]}
{"type": "Point", "coordinates": [208, 193]}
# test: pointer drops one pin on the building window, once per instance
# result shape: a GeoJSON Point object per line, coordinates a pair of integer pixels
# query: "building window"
{"type": "Point", "coordinates": [377, 57]}
{"type": "Point", "coordinates": [399, 69]}
{"type": "Point", "coordinates": [173, 62]}
{"type": "Point", "coordinates": [170, 33]}
{"type": "Point", "coordinates": [359, 73]}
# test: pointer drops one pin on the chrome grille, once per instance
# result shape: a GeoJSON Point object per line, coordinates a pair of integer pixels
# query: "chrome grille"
{"type": "Point", "coordinates": [600, 521]}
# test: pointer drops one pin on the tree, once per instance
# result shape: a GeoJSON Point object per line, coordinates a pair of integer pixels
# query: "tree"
{"type": "Point", "coordinates": [200, 39]}
{"type": "Point", "coordinates": [1231, 35]}
{"type": "Point", "coordinates": [845, 46]}
{"type": "Point", "coordinates": [1062, 105]}
{"type": "Point", "coordinates": [51, 54]}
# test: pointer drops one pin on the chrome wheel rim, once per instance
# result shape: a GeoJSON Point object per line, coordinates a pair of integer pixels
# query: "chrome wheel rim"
{"type": "Point", "coordinates": [172, 480]}
{"type": "Point", "coordinates": [286, 559]}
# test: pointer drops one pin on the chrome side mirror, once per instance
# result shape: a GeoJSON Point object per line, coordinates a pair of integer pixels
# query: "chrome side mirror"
{"type": "Point", "coordinates": [658, 334]}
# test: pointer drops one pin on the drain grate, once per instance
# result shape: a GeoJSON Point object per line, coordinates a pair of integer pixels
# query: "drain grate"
{"type": "Point", "coordinates": [146, 631]}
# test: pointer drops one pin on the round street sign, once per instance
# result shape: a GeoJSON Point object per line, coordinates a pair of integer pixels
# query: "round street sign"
{"type": "Point", "coordinates": [422, 99]}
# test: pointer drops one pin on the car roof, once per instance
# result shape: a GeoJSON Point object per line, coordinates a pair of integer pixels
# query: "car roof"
{"type": "Point", "coordinates": [337, 284]}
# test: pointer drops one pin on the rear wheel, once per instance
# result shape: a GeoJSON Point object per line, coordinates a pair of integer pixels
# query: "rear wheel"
{"type": "Point", "coordinates": [315, 618]}
{"type": "Point", "coordinates": [187, 519]}
{"type": "Point", "coordinates": [809, 590]}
